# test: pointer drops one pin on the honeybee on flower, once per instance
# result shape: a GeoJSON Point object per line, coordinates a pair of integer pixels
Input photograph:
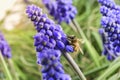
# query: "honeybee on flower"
{"type": "Point", "coordinates": [75, 42]}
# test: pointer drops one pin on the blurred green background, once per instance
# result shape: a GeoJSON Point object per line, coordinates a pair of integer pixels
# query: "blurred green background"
{"type": "Point", "coordinates": [19, 32]}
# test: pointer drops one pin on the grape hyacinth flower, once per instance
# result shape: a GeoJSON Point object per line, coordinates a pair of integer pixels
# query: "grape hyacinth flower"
{"type": "Point", "coordinates": [50, 35]}
{"type": "Point", "coordinates": [52, 69]}
{"type": "Point", "coordinates": [4, 47]}
{"type": "Point", "coordinates": [110, 31]}
{"type": "Point", "coordinates": [61, 10]}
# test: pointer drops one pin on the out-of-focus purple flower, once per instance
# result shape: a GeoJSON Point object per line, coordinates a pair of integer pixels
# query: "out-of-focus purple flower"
{"type": "Point", "coordinates": [110, 31]}
{"type": "Point", "coordinates": [108, 3]}
{"type": "Point", "coordinates": [52, 69]}
{"type": "Point", "coordinates": [61, 10]}
{"type": "Point", "coordinates": [51, 6]}
{"type": "Point", "coordinates": [4, 47]}
{"type": "Point", "coordinates": [50, 35]}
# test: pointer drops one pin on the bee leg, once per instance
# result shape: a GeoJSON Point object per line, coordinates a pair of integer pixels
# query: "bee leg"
{"type": "Point", "coordinates": [81, 51]}
{"type": "Point", "coordinates": [81, 41]}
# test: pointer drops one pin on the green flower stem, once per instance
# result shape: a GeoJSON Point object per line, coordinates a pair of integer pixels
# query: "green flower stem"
{"type": "Point", "coordinates": [72, 27]}
{"type": "Point", "coordinates": [88, 45]}
{"type": "Point", "coordinates": [74, 66]}
{"type": "Point", "coordinates": [5, 67]}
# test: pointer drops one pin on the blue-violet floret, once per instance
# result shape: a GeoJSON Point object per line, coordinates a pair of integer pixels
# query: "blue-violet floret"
{"type": "Point", "coordinates": [4, 47]}
{"type": "Point", "coordinates": [52, 69]}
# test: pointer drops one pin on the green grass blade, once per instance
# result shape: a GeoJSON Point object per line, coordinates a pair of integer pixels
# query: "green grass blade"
{"type": "Point", "coordinates": [98, 39]}
{"type": "Point", "coordinates": [8, 75]}
{"type": "Point", "coordinates": [93, 53]}
{"type": "Point", "coordinates": [110, 70]}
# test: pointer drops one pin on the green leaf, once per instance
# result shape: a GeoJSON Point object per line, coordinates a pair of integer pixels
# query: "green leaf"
{"type": "Point", "coordinates": [98, 39]}
{"type": "Point", "coordinates": [115, 76]}
{"type": "Point", "coordinates": [112, 68]}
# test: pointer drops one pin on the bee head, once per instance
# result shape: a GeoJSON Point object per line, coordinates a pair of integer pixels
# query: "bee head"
{"type": "Point", "coordinates": [71, 37]}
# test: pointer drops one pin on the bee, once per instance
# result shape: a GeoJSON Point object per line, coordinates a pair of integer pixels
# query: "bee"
{"type": "Point", "coordinates": [75, 42]}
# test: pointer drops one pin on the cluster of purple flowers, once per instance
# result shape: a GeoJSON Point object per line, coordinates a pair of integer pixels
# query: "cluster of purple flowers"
{"type": "Point", "coordinates": [52, 69]}
{"type": "Point", "coordinates": [50, 35]}
{"type": "Point", "coordinates": [4, 47]}
{"type": "Point", "coordinates": [49, 41]}
{"type": "Point", "coordinates": [110, 31]}
{"type": "Point", "coordinates": [61, 10]}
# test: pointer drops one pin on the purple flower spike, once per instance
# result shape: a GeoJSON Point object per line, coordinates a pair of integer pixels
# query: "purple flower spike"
{"type": "Point", "coordinates": [4, 47]}
{"type": "Point", "coordinates": [110, 31]}
{"type": "Point", "coordinates": [52, 69]}
{"type": "Point", "coordinates": [50, 35]}
{"type": "Point", "coordinates": [49, 41]}
{"type": "Point", "coordinates": [61, 10]}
